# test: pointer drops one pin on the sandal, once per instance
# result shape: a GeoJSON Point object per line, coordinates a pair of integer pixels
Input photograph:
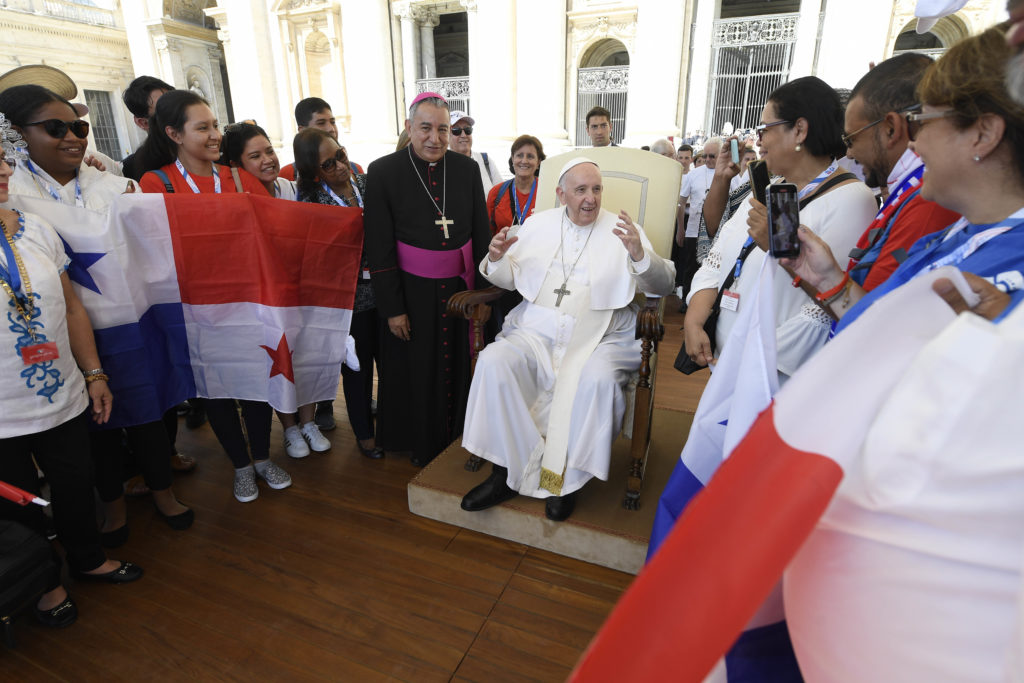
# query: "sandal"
{"type": "Point", "coordinates": [136, 487]}
{"type": "Point", "coordinates": [183, 463]}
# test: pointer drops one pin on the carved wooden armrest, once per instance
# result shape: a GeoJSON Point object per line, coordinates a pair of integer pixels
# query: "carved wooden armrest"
{"type": "Point", "coordinates": [648, 321]}
{"type": "Point", "coordinates": [473, 304]}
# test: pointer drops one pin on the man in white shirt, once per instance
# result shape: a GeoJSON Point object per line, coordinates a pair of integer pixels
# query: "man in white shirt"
{"type": "Point", "coordinates": [694, 187]}
{"type": "Point", "coordinates": [547, 397]}
{"type": "Point", "coordinates": [460, 140]}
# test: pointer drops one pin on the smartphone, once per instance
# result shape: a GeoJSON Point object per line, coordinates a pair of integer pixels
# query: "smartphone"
{"type": "Point", "coordinates": [783, 220]}
{"type": "Point", "coordinates": [734, 148]}
{"type": "Point", "coordinates": [759, 179]}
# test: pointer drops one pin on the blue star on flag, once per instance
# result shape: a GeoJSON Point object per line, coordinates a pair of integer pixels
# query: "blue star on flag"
{"type": "Point", "coordinates": [78, 271]}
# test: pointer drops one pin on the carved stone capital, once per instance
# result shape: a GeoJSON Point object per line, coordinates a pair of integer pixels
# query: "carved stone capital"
{"type": "Point", "coordinates": [430, 19]}
{"type": "Point", "coordinates": [470, 5]}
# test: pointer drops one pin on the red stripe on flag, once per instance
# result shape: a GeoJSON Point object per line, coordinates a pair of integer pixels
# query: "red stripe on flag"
{"type": "Point", "coordinates": [239, 247]}
{"type": "Point", "coordinates": [717, 566]}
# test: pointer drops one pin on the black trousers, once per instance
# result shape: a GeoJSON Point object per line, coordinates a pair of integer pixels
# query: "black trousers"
{"type": "Point", "coordinates": [690, 264]}
{"type": "Point", "coordinates": [63, 454]}
{"type": "Point", "coordinates": [358, 386]}
{"type": "Point", "coordinates": [147, 442]}
{"type": "Point", "coordinates": [223, 416]}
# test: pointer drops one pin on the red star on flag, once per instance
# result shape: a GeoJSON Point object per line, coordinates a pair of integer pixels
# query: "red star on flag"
{"type": "Point", "coordinates": [282, 357]}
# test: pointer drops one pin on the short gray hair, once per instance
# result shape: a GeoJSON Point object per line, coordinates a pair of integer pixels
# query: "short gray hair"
{"type": "Point", "coordinates": [432, 101]}
{"type": "Point", "coordinates": [716, 141]}
{"type": "Point", "coordinates": [663, 146]}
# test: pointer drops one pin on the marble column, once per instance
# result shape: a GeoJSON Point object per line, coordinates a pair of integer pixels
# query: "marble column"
{"type": "Point", "coordinates": [368, 71]}
{"type": "Point", "coordinates": [807, 38]}
{"type": "Point", "coordinates": [700, 69]}
{"type": "Point", "coordinates": [492, 72]}
{"type": "Point", "coordinates": [427, 56]}
{"type": "Point", "coordinates": [410, 50]}
{"type": "Point", "coordinates": [654, 72]}
{"type": "Point", "coordinates": [540, 56]}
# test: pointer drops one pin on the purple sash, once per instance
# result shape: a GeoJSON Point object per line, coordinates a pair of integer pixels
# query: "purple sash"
{"type": "Point", "coordinates": [438, 264]}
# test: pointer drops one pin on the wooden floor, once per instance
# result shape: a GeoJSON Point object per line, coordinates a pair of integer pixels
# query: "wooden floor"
{"type": "Point", "coordinates": [331, 579]}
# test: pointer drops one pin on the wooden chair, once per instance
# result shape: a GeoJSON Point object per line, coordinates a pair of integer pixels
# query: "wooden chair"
{"type": "Point", "coordinates": [646, 186]}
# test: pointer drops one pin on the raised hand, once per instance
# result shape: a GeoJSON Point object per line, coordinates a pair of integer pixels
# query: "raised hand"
{"type": "Point", "coordinates": [500, 244]}
{"type": "Point", "coordinates": [630, 236]}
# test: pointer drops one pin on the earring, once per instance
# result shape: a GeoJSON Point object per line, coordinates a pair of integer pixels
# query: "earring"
{"type": "Point", "coordinates": [798, 148]}
{"type": "Point", "coordinates": [977, 158]}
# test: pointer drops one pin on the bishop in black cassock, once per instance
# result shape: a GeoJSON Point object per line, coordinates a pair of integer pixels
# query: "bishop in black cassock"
{"type": "Point", "coordinates": [423, 382]}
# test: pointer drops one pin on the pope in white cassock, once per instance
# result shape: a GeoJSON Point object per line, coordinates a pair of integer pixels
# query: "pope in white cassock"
{"type": "Point", "coordinates": [547, 397]}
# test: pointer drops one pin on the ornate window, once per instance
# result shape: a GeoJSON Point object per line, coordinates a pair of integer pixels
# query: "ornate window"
{"type": "Point", "coordinates": [104, 129]}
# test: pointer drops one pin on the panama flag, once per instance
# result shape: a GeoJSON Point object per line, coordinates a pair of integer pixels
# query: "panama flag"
{"type": "Point", "coordinates": [216, 296]}
{"type": "Point", "coordinates": [866, 481]}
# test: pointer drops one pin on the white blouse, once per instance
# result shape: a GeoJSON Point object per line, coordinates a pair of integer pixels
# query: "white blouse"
{"type": "Point", "coordinates": [34, 398]}
{"type": "Point", "coordinates": [839, 217]}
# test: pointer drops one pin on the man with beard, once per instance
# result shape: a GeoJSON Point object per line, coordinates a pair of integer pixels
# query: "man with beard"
{"type": "Point", "coordinates": [876, 135]}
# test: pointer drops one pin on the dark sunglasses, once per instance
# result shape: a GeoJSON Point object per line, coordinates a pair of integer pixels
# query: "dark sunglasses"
{"type": "Point", "coordinates": [340, 157]}
{"type": "Point", "coordinates": [56, 128]}
{"type": "Point", "coordinates": [468, 130]}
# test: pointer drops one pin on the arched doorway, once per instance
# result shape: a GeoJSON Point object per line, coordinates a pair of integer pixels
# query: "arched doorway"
{"type": "Point", "coordinates": [603, 80]}
{"type": "Point", "coordinates": [318, 63]}
{"type": "Point", "coordinates": [946, 32]}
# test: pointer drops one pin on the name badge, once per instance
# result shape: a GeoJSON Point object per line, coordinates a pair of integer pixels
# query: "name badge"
{"type": "Point", "coordinates": [730, 300]}
{"type": "Point", "coordinates": [366, 273]}
{"type": "Point", "coordinates": [39, 353]}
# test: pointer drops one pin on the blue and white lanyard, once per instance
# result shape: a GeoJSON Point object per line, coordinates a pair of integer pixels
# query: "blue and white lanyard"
{"type": "Point", "coordinates": [192, 184]}
{"type": "Point", "coordinates": [521, 215]}
{"type": "Point", "coordinates": [913, 179]}
{"type": "Point", "coordinates": [974, 243]}
{"type": "Point", "coordinates": [338, 200]}
{"type": "Point", "coordinates": [79, 201]}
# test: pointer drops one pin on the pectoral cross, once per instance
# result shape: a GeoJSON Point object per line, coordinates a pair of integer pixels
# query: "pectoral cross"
{"type": "Point", "coordinates": [444, 223]}
{"type": "Point", "coordinates": [561, 291]}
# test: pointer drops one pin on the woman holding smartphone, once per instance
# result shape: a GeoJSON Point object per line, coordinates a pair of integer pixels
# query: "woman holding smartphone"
{"type": "Point", "coordinates": [800, 138]}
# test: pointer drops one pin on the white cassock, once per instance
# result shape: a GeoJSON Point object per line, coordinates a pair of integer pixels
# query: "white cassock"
{"type": "Point", "coordinates": [570, 360]}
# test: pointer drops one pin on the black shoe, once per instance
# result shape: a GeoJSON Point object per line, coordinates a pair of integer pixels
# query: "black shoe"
{"type": "Point", "coordinates": [116, 538]}
{"type": "Point", "coordinates": [324, 416]}
{"type": "Point", "coordinates": [126, 573]}
{"type": "Point", "coordinates": [421, 460]}
{"type": "Point", "coordinates": [494, 491]}
{"type": "Point", "coordinates": [180, 521]}
{"type": "Point", "coordinates": [375, 453]}
{"type": "Point", "coordinates": [558, 508]}
{"type": "Point", "coordinates": [60, 616]}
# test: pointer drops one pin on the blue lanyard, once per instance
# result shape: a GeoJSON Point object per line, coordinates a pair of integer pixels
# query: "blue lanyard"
{"type": "Point", "coordinates": [973, 243]}
{"type": "Point", "coordinates": [811, 186]}
{"type": "Point", "coordinates": [50, 189]}
{"type": "Point", "coordinates": [11, 274]}
{"type": "Point", "coordinates": [739, 259]}
{"type": "Point", "coordinates": [521, 215]}
{"type": "Point", "coordinates": [192, 184]}
{"type": "Point", "coordinates": [338, 200]}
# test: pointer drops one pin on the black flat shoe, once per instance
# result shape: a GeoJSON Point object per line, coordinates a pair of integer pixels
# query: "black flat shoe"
{"type": "Point", "coordinates": [558, 508]}
{"type": "Point", "coordinates": [375, 453]}
{"type": "Point", "coordinates": [180, 521]}
{"type": "Point", "coordinates": [126, 573]}
{"type": "Point", "coordinates": [60, 616]}
{"type": "Point", "coordinates": [114, 539]}
{"type": "Point", "coordinates": [494, 491]}
{"type": "Point", "coordinates": [422, 460]}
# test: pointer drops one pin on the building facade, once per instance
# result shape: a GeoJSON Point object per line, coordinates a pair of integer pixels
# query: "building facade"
{"type": "Point", "coordinates": [664, 68]}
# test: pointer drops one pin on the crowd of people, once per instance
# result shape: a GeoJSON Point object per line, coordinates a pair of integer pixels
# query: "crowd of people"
{"type": "Point", "coordinates": [937, 150]}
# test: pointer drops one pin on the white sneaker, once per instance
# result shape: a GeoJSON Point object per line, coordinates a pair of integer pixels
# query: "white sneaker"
{"type": "Point", "coordinates": [294, 445]}
{"type": "Point", "coordinates": [275, 477]}
{"type": "Point", "coordinates": [317, 441]}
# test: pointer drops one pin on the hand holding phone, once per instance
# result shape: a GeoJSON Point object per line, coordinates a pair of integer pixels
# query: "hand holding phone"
{"type": "Point", "coordinates": [783, 220]}
{"type": "Point", "coordinates": [759, 179]}
{"type": "Point", "coordinates": [734, 149]}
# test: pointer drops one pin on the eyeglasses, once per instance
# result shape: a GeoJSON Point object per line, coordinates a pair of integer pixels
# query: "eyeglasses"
{"type": "Point", "coordinates": [340, 157]}
{"type": "Point", "coordinates": [468, 130]}
{"type": "Point", "coordinates": [56, 128]}
{"type": "Point", "coordinates": [848, 139]}
{"type": "Point", "coordinates": [917, 120]}
{"type": "Point", "coordinates": [10, 161]}
{"type": "Point", "coordinates": [765, 126]}
{"type": "Point", "coordinates": [710, 157]}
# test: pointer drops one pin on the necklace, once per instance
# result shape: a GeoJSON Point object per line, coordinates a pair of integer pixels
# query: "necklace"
{"type": "Point", "coordinates": [16, 281]}
{"type": "Point", "coordinates": [562, 291]}
{"type": "Point", "coordinates": [443, 222]}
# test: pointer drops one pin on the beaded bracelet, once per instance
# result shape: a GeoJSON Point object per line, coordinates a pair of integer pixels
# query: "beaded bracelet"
{"type": "Point", "coordinates": [90, 373]}
{"type": "Point", "coordinates": [89, 379]}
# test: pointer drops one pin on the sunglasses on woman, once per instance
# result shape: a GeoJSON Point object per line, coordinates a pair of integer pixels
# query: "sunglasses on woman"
{"type": "Point", "coordinates": [468, 130]}
{"type": "Point", "coordinates": [917, 120]}
{"type": "Point", "coordinates": [56, 128]}
{"type": "Point", "coordinates": [340, 157]}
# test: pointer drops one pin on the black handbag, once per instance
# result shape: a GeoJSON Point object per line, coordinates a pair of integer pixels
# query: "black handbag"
{"type": "Point", "coordinates": [687, 365]}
